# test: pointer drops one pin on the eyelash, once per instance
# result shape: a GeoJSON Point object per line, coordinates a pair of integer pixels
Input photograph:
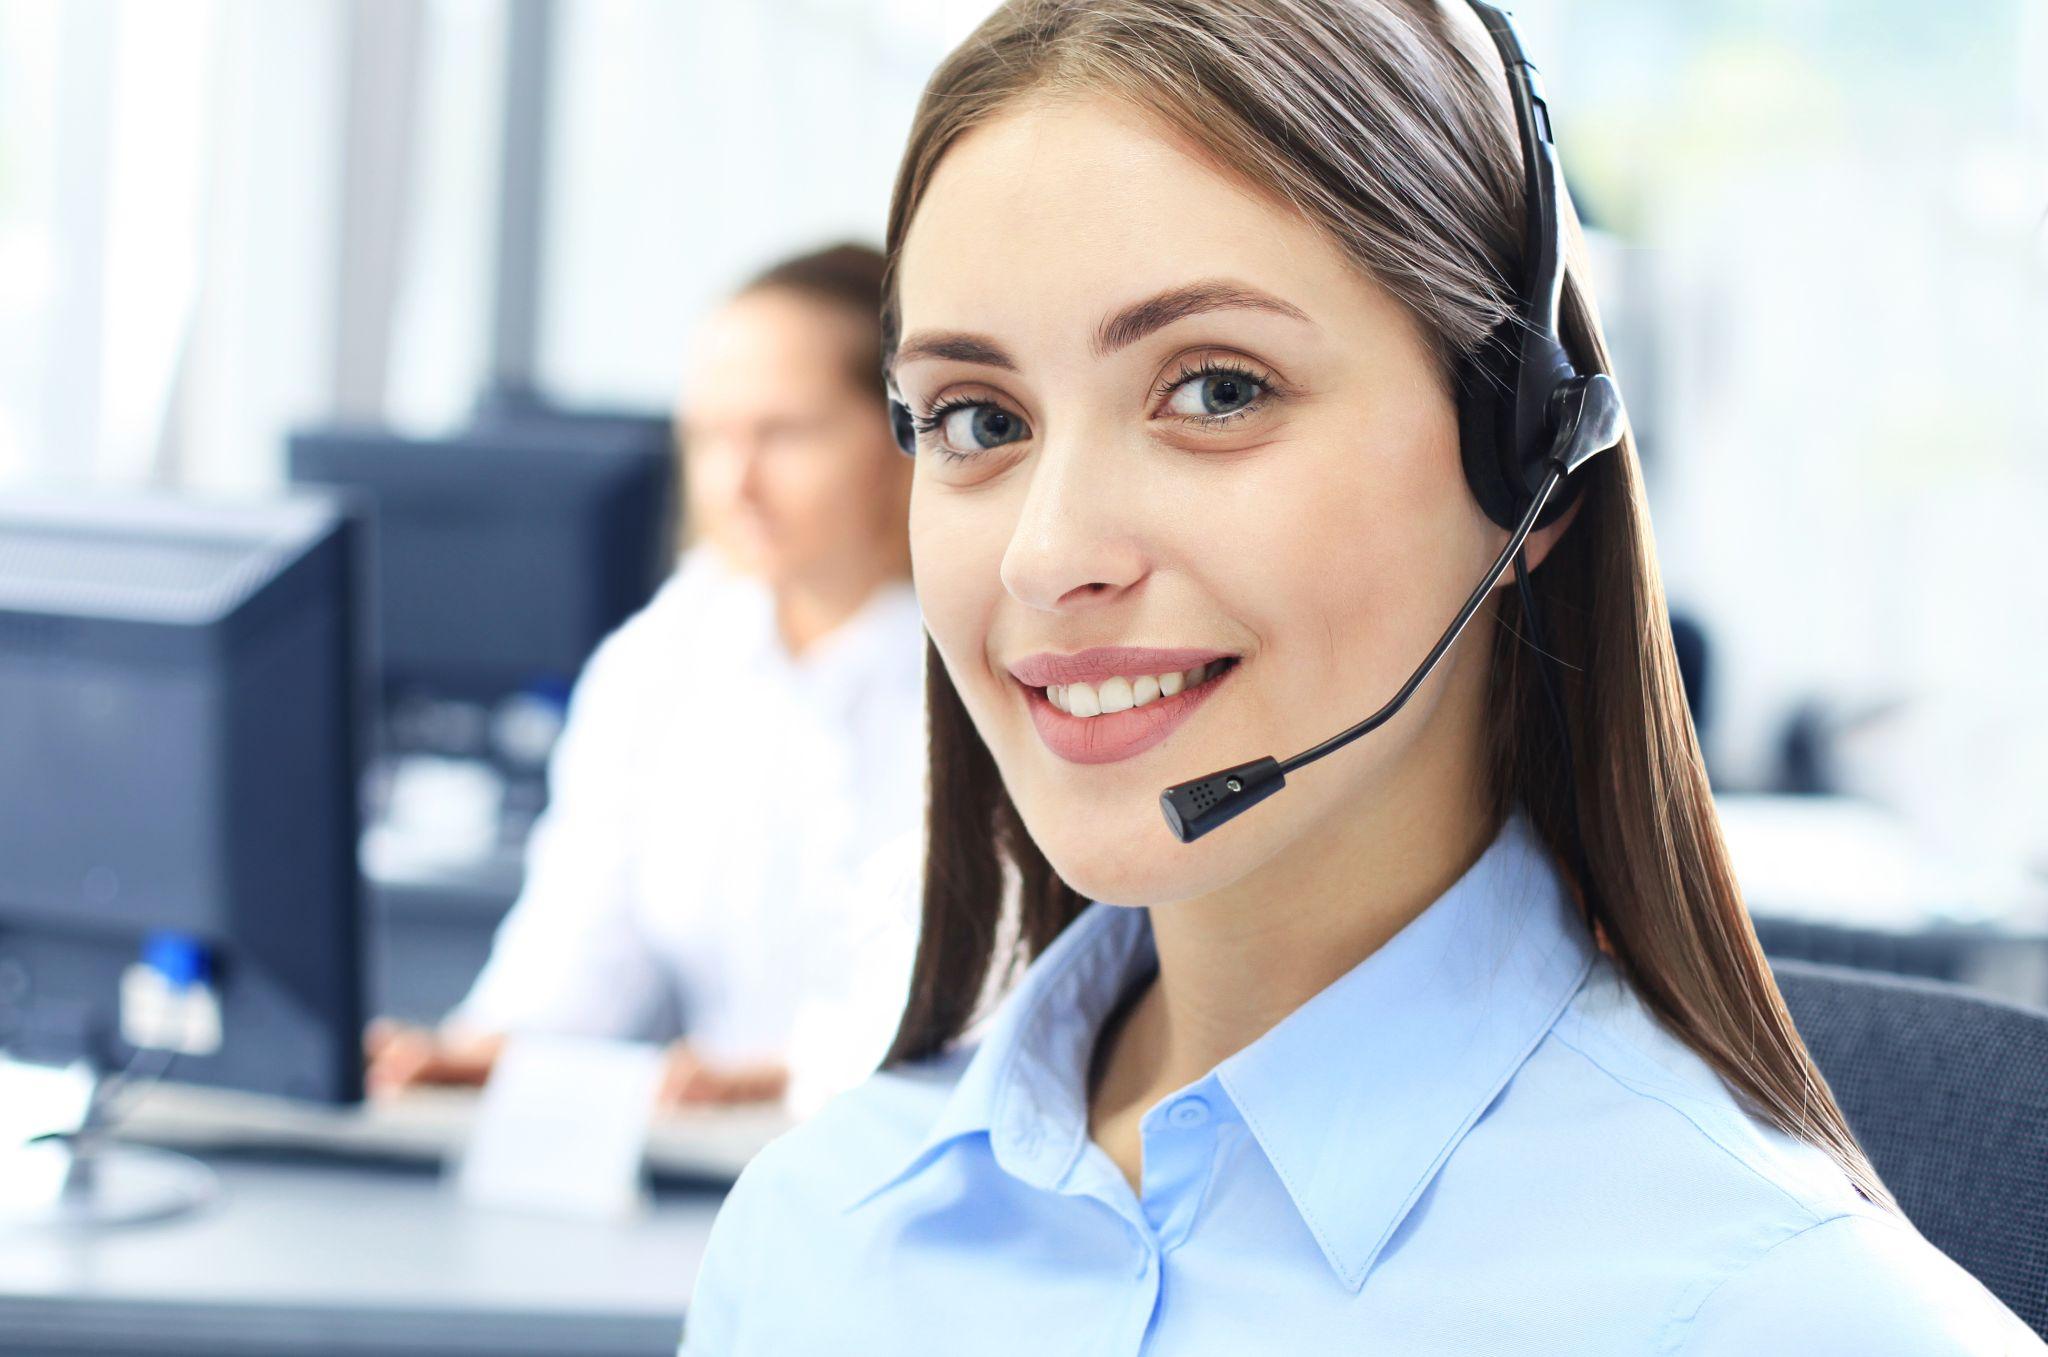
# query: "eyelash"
{"type": "Point", "coordinates": [930, 421]}
{"type": "Point", "coordinates": [1217, 368]}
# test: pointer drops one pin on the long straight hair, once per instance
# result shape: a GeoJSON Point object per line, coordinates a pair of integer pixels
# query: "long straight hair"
{"type": "Point", "coordinates": [1386, 123]}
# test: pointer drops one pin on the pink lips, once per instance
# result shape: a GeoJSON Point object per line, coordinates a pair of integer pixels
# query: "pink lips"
{"type": "Point", "coordinates": [1100, 662]}
{"type": "Point", "coordinates": [1115, 735]}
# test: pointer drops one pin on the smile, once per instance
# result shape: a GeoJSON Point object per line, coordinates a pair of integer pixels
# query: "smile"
{"type": "Point", "coordinates": [1118, 693]}
{"type": "Point", "coordinates": [1115, 702]}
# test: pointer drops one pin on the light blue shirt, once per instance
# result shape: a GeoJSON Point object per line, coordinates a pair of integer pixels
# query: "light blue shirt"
{"type": "Point", "coordinates": [1476, 1141]}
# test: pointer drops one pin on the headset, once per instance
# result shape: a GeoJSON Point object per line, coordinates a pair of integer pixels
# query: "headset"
{"type": "Point", "coordinates": [1527, 419]}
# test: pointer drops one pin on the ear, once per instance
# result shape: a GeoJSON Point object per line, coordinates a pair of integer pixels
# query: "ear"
{"type": "Point", "coordinates": [1536, 546]}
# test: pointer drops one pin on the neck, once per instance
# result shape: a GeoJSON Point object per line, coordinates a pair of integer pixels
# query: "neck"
{"type": "Point", "coordinates": [1235, 962]}
{"type": "Point", "coordinates": [807, 610]}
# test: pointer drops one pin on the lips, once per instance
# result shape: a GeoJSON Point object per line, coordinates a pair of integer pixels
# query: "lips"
{"type": "Point", "coordinates": [1100, 662]}
{"type": "Point", "coordinates": [1114, 736]}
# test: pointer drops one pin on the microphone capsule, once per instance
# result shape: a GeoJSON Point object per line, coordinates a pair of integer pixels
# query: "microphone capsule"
{"type": "Point", "coordinates": [1194, 808]}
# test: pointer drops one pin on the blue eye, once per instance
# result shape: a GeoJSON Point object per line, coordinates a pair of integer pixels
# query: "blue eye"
{"type": "Point", "coordinates": [1214, 393]}
{"type": "Point", "coordinates": [966, 427]}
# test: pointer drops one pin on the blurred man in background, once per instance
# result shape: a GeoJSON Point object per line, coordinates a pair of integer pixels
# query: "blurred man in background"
{"type": "Point", "coordinates": [739, 749]}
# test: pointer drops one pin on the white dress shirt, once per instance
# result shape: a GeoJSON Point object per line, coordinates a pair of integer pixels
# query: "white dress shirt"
{"type": "Point", "coordinates": [724, 848]}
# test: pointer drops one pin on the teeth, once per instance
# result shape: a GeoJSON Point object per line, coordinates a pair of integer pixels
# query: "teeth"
{"type": "Point", "coordinates": [1119, 693]}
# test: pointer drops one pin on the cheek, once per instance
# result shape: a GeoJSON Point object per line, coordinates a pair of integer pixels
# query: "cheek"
{"type": "Point", "coordinates": [816, 494]}
{"type": "Point", "coordinates": [1361, 557]}
{"type": "Point", "coordinates": [956, 547]}
{"type": "Point", "coordinates": [710, 478]}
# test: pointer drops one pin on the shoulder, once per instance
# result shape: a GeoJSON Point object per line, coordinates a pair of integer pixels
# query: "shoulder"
{"type": "Point", "coordinates": [1865, 1284]}
{"type": "Point", "coordinates": [855, 1142]}
{"type": "Point", "coordinates": [886, 637]}
{"type": "Point", "coordinates": [789, 1213]}
{"type": "Point", "coordinates": [647, 648]}
{"type": "Point", "coordinates": [1769, 1243]}
{"type": "Point", "coordinates": [699, 587]}
{"type": "Point", "coordinates": [1646, 1088]}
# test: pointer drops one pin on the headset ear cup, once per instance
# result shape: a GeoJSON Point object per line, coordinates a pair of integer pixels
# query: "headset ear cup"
{"type": "Point", "coordinates": [1560, 500]}
{"type": "Point", "coordinates": [1485, 392]}
{"type": "Point", "coordinates": [1486, 439]}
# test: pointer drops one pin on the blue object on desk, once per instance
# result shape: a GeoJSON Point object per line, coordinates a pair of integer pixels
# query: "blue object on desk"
{"type": "Point", "coordinates": [179, 959]}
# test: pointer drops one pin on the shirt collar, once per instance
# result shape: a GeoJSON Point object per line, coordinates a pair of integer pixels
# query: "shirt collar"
{"type": "Point", "coordinates": [1357, 1097]}
{"type": "Point", "coordinates": [1028, 1074]}
{"type": "Point", "coordinates": [885, 633]}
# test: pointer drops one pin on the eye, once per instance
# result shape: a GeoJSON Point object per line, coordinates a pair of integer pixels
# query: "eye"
{"type": "Point", "coordinates": [1213, 393]}
{"type": "Point", "coordinates": [968, 427]}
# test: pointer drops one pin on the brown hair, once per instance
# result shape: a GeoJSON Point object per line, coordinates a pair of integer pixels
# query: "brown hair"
{"type": "Point", "coordinates": [847, 277]}
{"type": "Point", "coordinates": [1386, 124]}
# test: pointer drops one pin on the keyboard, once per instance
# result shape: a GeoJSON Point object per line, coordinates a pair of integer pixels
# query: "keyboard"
{"type": "Point", "coordinates": [419, 1126]}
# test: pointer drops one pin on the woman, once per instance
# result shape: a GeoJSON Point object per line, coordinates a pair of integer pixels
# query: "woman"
{"type": "Point", "coordinates": [738, 752]}
{"type": "Point", "coordinates": [1179, 289]}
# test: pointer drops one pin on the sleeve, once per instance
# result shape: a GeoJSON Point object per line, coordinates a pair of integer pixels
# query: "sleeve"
{"type": "Point", "coordinates": [569, 958]}
{"type": "Point", "coordinates": [1855, 1286]}
{"type": "Point", "coordinates": [732, 1254]}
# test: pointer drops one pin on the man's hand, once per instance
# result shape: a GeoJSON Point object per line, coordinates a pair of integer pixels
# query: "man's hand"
{"type": "Point", "coordinates": [401, 1056]}
{"type": "Point", "coordinates": [689, 1081]}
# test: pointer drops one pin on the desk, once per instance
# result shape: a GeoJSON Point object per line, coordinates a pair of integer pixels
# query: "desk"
{"type": "Point", "coordinates": [345, 1260]}
{"type": "Point", "coordinates": [1839, 880]}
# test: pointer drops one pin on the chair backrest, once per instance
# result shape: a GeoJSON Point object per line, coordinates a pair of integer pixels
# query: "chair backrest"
{"type": "Point", "coordinates": [1947, 1090]}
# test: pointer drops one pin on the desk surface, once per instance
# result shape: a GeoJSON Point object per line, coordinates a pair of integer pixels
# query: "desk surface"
{"type": "Point", "coordinates": [340, 1259]}
{"type": "Point", "coordinates": [1851, 863]}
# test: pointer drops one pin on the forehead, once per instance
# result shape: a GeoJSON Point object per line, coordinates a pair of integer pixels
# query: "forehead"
{"type": "Point", "coordinates": [1055, 211]}
{"type": "Point", "coordinates": [774, 325]}
{"type": "Point", "coordinates": [767, 347]}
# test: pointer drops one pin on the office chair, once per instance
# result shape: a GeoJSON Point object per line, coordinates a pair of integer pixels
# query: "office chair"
{"type": "Point", "coordinates": [1933, 953]}
{"type": "Point", "coordinates": [1948, 1092]}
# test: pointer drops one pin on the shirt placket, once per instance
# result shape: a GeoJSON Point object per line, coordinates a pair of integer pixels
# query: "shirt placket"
{"type": "Point", "coordinates": [1181, 1142]}
{"type": "Point", "coordinates": [1180, 1145]}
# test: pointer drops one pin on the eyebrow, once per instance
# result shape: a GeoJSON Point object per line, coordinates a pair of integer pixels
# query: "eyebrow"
{"type": "Point", "coordinates": [1118, 331]}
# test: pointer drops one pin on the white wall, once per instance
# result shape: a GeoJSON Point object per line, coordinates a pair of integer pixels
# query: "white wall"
{"type": "Point", "coordinates": [696, 143]}
{"type": "Point", "coordinates": [1828, 284]}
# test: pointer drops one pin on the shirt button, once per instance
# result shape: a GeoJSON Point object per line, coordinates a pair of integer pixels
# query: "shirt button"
{"type": "Point", "coordinates": [1189, 1111]}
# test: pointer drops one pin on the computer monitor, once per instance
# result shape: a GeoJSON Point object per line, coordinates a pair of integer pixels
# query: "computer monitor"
{"type": "Point", "coordinates": [499, 409]}
{"type": "Point", "coordinates": [181, 699]}
{"type": "Point", "coordinates": [504, 553]}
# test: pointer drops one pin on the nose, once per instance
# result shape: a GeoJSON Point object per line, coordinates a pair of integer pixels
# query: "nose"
{"type": "Point", "coordinates": [746, 471]}
{"type": "Point", "coordinates": [1077, 541]}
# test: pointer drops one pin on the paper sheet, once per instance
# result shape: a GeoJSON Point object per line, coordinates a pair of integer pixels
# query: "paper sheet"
{"type": "Point", "coordinates": [563, 1128]}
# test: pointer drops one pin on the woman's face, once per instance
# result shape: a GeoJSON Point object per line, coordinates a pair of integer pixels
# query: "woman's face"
{"type": "Point", "coordinates": [1175, 428]}
{"type": "Point", "coordinates": [791, 469]}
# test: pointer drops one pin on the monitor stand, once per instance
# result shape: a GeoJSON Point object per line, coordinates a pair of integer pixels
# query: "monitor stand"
{"type": "Point", "coordinates": [77, 1177]}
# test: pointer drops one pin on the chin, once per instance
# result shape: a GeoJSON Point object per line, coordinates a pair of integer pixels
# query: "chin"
{"type": "Point", "coordinates": [755, 553]}
{"type": "Point", "coordinates": [1125, 855]}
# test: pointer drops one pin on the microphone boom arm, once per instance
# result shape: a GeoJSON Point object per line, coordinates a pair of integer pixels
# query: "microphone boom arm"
{"type": "Point", "coordinates": [1194, 808]}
